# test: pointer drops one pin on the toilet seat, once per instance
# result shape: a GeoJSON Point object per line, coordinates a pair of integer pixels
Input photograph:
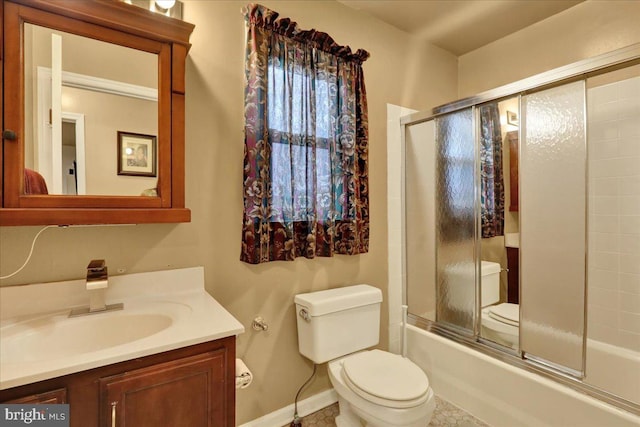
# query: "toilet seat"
{"type": "Point", "coordinates": [506, 313]}
{"type": "Point", "coordinates": [385, 379]}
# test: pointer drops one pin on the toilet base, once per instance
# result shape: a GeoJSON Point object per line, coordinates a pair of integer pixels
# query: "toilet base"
{"type": "Point", "coordinates": [346, 418]}
{"type": "Point", "coordinates": [356, 412]}
{"type": "Point", "coordinates": [349, 417]}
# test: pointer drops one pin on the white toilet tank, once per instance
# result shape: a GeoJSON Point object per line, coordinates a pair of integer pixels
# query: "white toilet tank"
{"type": "Point", "coordinates": [490, 283]}
{"type": "Point", "coordinates": [337, 322]}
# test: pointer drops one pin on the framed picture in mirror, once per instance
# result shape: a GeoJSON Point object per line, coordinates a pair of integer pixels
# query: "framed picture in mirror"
{"type": "Point", "coordinates": [136, 154]}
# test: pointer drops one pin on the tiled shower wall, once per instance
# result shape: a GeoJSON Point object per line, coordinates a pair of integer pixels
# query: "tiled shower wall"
{"type": "Point", "coordinates": [614, 213]}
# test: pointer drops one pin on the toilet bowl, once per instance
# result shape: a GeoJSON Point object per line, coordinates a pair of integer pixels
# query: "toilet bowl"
{"type": "Point", "coordinates": [500, 324]}
{"type": "Point", "coordinates": [375, 388]}
{"type": "Point", "coordinates": [381, 389]}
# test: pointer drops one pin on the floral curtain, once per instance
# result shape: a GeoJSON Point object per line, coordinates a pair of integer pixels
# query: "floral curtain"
{"type": "Point", "coordinates": [306, 143]}
{"type": "Point", "coordinates": [491, 179]}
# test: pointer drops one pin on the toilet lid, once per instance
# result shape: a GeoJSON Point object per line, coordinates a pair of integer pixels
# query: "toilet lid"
{"type": "Point", "coordinates": [506, 313]}
{"type": "Point", "coordinates": [386, 379]}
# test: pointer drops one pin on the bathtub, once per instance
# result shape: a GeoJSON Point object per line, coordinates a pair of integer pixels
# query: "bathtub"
{"type": "Point", "coordinates": [504, 395]}
{"type": "Point", "coordinates": [614, 369]}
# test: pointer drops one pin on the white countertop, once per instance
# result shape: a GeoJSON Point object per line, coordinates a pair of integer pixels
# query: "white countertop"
{"type": "Point", "coordinates": [176, 294]}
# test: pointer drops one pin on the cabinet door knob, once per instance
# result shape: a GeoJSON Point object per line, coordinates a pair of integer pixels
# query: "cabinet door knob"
{"type": "Point", "coordinates": [9, 135]}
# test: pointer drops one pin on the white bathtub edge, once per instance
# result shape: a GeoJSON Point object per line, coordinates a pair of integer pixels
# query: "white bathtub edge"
{"type": "Point", "coordinates": [504, 395]}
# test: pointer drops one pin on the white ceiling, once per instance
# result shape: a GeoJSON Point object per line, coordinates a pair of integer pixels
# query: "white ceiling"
{"type": "Point", "coordinates": [461, 26]}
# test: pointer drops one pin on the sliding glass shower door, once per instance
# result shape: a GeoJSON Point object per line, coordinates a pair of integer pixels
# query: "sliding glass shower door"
{"type": "Point", "coordinates": [569, 194]}
{"type": "Point", "coordinates": [553, 161]}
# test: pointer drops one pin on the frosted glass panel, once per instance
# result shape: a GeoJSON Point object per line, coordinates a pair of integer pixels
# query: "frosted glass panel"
{"type": "Point", "coordinates": [420, 169]}
{"type": "Point", "coordinates": [553, 225]}
{"type": "Point", "coordinates": [455, 219]}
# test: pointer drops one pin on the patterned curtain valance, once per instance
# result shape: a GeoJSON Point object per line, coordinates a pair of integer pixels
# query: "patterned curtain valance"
{"type": "Point", "coordinates": [263, 17]}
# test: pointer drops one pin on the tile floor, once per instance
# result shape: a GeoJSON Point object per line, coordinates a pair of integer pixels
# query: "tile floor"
{"type": "Point", "coordinates": [445, 415]}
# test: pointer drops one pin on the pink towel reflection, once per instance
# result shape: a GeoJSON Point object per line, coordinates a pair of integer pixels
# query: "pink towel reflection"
{"type": "Point", "coordinates": [34, 183]}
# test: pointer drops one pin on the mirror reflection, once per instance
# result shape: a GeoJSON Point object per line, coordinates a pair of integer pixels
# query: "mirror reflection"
{"type": "Point", "coordinates": [499, 221]}
{"type": "Point", "coordinates": [79, 94]}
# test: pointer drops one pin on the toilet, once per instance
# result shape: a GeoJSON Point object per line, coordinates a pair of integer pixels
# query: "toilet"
{"type": "Point", "coordinates": [375, 388]}
{"type": "Point", "coordinates": [500, 321]}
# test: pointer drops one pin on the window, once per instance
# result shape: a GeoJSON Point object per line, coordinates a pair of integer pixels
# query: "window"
{"type": "Point", "coordinates": [306, 144]}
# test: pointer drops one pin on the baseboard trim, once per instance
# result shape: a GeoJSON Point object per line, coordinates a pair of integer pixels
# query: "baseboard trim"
{"type": "Point", "coordinates": [284, 415]}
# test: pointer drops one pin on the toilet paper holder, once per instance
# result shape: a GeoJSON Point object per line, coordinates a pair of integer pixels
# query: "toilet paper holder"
{"type": "Point", "coordinates": [244, 377]}
{"type": "Point", "coordinates": [259, 324]}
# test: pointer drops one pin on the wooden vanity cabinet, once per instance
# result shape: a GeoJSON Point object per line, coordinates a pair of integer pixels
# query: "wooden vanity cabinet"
{"type": "Point", "coordinates": [48, 397]}
{"type": "Point", "coordinates": [191, 387]}
{"type": "Point", "coordinates": [184, 392]}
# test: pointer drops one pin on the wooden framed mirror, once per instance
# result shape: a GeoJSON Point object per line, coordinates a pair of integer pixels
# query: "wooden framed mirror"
{"type": "Point", "coordinates": [93, 115]}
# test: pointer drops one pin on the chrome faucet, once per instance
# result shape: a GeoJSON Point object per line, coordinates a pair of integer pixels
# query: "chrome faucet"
{"type": "Point", "coordinates": [97, 283]}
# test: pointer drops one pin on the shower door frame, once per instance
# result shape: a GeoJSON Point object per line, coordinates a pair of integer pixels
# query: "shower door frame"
{"type": "Point", "coordinates": [582, 70]}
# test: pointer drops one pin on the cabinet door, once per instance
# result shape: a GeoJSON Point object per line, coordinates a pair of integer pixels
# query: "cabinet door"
{"type": "Point", "coordinates": [49, 397]}
{"type": "Point", "coordinates": [185, 392]}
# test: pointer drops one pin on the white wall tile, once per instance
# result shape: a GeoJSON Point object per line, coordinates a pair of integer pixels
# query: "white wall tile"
{"type": "Point", "coordinates": [606, 186]}
{"type": "Point", "coordinates": [605, 205]}
{"type": "Point", "coordinates": [603, 150]}
{"type": "Point", "coordinates": [628, 128]}
{"type": "Point", "coordinates": [605, 261]}
{"type": "Point", "coordinates": [603, 316]}
{"type": "Point", "coordinates": [629, 244]}
{"type": "Point", "coordinates": [629, 107]}
{"type": "Point", "coordinates": [629, 282]}
{"type": "Point", "coordinates": [604, 112]}
{"type": "Point", "coordinates": [629, 147]}
{"type": "Point", "coordinates": [626, 88]}
{"type": "Point", "coordinates": [604, 131]}
{"type": "Point", "coordinates": [630, 225]}
{"type": "Point", "coordinates": [604, 298]}
{"type": "Point", "coordinates": [605, 242]}
{"type": "Point", "coordinates": [604, 223]}
{"type": "Point", "coordinates": [630, 205]}
{"type": "Point", "coordinates": [605, 279]}
{"type": "Point", "coordinates": [630, 264]}
{"type": "Point", "coordinates": [630, 186]}
{"type": "Point", "coordinates": [614, 213]}
{"type": "Point", "coordinates": [629, 302]}
{"type": "Point", "coordinates": [630, 322]}
{"type": "Point", "coordinates": [626, 166]}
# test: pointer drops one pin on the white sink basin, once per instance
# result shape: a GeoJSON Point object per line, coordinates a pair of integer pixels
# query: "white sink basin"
{"type": "Point", "coordinates": [57, 336]}
{"type": "Point", "coordinates": [163, 311]}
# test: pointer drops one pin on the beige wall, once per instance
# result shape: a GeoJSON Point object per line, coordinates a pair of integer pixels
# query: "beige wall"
{"type": "Point", "coordinates": [103, 119]}
{"type": "Point", "coordinates": [583, 31]}
{"type": "Point", "coordinates": [400, 71]}
{"type": "Point", "coordinates": [420, 218]}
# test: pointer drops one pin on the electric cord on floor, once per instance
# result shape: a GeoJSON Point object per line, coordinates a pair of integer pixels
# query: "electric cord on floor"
{"type": "Point", "coordinates": [296, 419]}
